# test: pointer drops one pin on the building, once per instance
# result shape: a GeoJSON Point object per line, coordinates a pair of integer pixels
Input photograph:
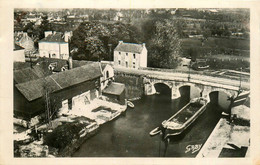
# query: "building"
{"type": "Point", "coordinates": [108, 75]}
{"type": "Point", "coordinates": [54, 45]}
{"type": "Point", "coordinates": [69, 90]}
{"type": "Point", "coordinates": [59, 65]}
{"type": "Point", "coordinates": [118, 17]}
{"type": "Point", "coordinates": [130, 55]}
{"type": "Point", "coordinates": [22, 39]}
{"type": "Point", "coordinates": [115, 92]}
{"type": "Point", "coordinates": [18, 55]}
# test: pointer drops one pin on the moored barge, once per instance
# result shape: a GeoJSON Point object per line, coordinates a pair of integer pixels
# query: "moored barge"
{"type": "Point", "coordinates": [176, 124]}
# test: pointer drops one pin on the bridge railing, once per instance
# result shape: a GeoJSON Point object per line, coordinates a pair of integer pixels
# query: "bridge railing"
{"type": "Point", "coordinates": [221, 74]}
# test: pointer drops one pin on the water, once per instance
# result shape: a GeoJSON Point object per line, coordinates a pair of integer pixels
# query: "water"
{"type": "Point", "coordinates": [128, 135]}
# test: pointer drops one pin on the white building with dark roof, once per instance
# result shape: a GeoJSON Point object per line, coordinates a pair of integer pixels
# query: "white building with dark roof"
{"type": "Point", "coordinates": [54, 45]}
{"type": "Point", "coordinates": [130, 55]}
{"type": "Point", "coordinates": [18, 53]}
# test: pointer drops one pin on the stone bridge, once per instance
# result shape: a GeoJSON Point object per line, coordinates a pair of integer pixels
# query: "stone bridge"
{"type": "Point", "coordinates": [201, 85]}
{"type": "Point", "coordinates": [198, 88]}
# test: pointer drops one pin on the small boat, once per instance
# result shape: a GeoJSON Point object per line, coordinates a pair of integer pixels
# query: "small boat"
{"type": "Point", "coordinates": [176, 124]}
{"type": "Point", "coordinates": [157, 93]}
{"type": "Point", "coordinates": [130, 104]}
{"type": "Point", "coordinates": [155, 131]}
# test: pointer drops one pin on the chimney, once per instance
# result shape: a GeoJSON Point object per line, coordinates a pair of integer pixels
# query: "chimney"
{"type": "Point", "coordinates": [143, 44]}
{"type": "Point", "coordinates": [66, 36]}
{"type": "Point", "coordinates": [70, 62]}
{"type": "Point", "coordinates": [120, 42]}
{"type": "Point", "coordinates": [25, 34]}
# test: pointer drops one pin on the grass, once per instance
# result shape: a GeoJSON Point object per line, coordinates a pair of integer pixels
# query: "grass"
{"type": "Point", "coordinates": [214, 45]}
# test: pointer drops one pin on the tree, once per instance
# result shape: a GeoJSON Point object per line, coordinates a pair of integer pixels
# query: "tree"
{"type": "Point", "coordinates": [93, 38]}
{"type": "Point", "coordinates": [164, 47]}
{"type": "Point", "coordinates": [193, 53]}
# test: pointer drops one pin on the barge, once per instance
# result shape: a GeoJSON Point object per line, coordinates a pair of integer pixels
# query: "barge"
{"type": "Point", "coordinates": [176, 124]}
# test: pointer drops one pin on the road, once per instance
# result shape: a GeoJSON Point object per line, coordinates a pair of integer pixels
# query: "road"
{"type": "Point", "coordinates": [194, 78]}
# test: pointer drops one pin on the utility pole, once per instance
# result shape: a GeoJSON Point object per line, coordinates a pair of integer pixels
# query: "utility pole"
{"type": "Point", "coordinates": [189, 72]}
{"type": "Point", "coordinates": [30, 58]}
{"type": "Point", "coordinates": [239, 89]}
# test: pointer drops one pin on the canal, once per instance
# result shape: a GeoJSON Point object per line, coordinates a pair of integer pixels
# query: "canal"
{"type": "Point", "coordinates": [128, 135]}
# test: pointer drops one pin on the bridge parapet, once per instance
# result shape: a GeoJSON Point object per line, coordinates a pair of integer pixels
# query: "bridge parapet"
{"type": "Point", "coordinates": [203, 88]}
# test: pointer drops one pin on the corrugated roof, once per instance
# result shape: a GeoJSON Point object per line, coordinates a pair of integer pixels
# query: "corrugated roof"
{"type": "Point", "coordinates": [129, 47]}
{"type": "Point", "coordinates": [57, 37]}
{"type": "Point", "coordinates": [24, 75]}
{"type": "Point", "coordinates": [34, 89]}
{"type": "Point", "coordinates": [114, 88]}
{"type": "Point", "coordinates": [20, 65]}
{"type": "Point", "coordinates": [29, 74]}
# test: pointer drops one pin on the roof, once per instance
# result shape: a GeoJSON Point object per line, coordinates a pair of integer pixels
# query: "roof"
{"type": "Point", "coordinates": [29, 74]}
{"type": "Point", "coordinates": [103, 66]}
{"type": "Point", "coordinates": [129, 47]}
{"type": "Point", "coordinates": [114, 88]}
{"type": "Point", "coordinates": [34, 89]}
{"type": "Point", "coordinates": [59, 63]}
{"type": "Point", "coordinates": [20, 65]}
{"type": "Point", "coordinates": [17, 47]}
{"type": "Point", "coordinates": [57, 37]}
{"type": "Point", "coordinates": [24, 75]}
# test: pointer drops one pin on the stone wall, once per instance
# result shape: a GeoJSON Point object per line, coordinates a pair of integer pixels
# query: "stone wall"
{"type": "Point", "coordinates": [134, 84]}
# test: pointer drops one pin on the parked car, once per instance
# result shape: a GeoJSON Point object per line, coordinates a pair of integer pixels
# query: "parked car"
{"type": "Point", "coordinates": [200, 65]}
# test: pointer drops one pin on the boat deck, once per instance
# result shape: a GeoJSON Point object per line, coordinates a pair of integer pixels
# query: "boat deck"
{"type": "Point", "coordinates": [186, 113]}
{"type": "Point", "coordinates": [184, 117]}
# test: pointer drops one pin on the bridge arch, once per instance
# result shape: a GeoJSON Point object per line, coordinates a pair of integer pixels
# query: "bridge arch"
{"type": "Point", "coordinates": [161, 87]}
{"type": "Point", "coordinates": [220, 99]}
{"type": "Point", "coordinates": [162, 82]}
{"type": "Point", "coordinates": [194, 90]}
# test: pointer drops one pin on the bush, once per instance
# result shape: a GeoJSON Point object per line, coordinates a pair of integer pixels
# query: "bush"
{"type": "Point", "coordinates": [63, 135]}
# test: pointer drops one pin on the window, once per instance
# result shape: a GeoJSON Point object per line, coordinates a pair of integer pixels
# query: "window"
{"type": "Point", "coordinates": [119, 62]}
{"type": "Point", "coordinates": [126, 54]}
{"type": "Point", "coordinates": [133, 64]}
{"type": "Point", "coordinates": [54, 55]}
{"type": "Point", "coordinates": [107, 74]}
{"type": "Point", "coordinates": [126, 64]}
{"type": "Point", "coordinates": [134, 56]}
{"type": "Point", "coordinates": [70, 103]}
{"type": "Point", "coordinates": [119, 53]}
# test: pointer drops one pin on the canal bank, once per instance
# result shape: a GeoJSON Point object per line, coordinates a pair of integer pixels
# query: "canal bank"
{"type": "Point", "coordinates": [230, 137]}
{"type": "Point", "coordinates": [128, 136]}
{"type": "Point", "coordinates": [65, 134]}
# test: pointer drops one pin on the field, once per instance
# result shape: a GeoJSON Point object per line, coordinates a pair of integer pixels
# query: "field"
{"type": "Point", "coordinates": [213, 46]}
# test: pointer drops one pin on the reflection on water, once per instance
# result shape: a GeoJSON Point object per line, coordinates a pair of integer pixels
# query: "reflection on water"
{"type": "Point", "coordinates": [128, 135]}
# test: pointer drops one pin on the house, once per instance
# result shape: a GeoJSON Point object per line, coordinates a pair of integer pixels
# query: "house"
{"type": "Point", "coordinates": [108, 75]}
{"type": "Point", "coordinates": [18, 55]}
{"type": "Point", "coordinates": [22, 39]}
{"type": "Point", "coordinates": [130, 55]}
{"type": "Point", "coordinates": [69, 90]}
{"type": "Point", "coordinates": [54, 45]}
{"type": "Point", "coordinates": [118, 17]}
{"type": "Point", "coordinates": [59, 65]}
